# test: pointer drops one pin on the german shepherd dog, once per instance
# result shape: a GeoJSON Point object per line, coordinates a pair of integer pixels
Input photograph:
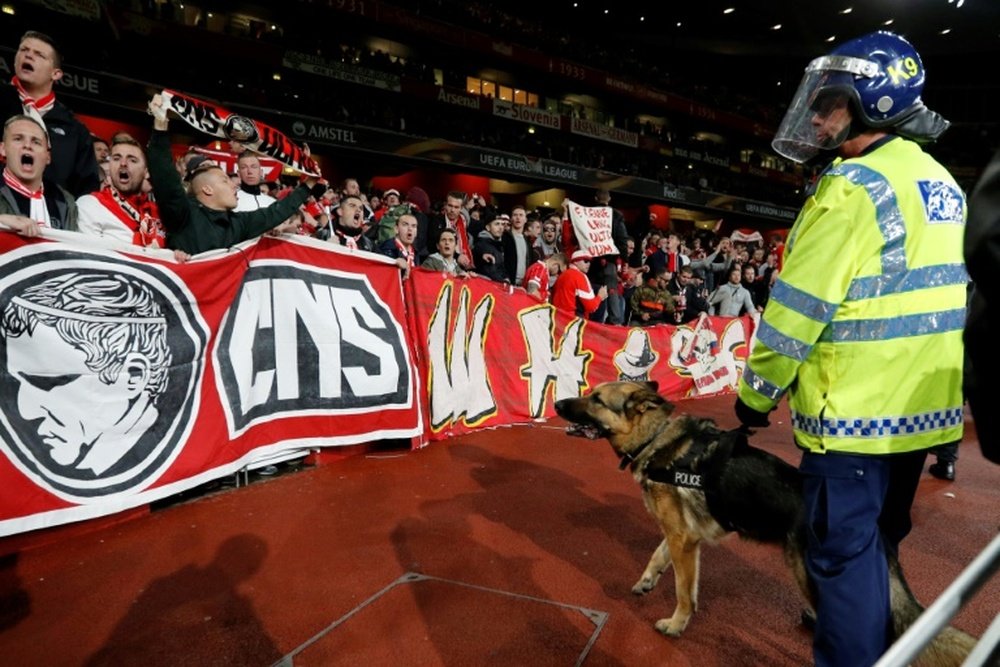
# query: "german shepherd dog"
{"type": "Point", "coordinates": [701, 483]}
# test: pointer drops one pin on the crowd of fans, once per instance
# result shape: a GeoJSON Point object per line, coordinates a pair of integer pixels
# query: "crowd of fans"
{"type": "Point", "coordinates": [383, 109]}
{"type": "Point", "coordinates": [116, 189]}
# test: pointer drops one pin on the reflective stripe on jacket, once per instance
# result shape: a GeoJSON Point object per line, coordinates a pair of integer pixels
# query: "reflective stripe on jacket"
{"type": "Point", "coordinates": [864, 326]}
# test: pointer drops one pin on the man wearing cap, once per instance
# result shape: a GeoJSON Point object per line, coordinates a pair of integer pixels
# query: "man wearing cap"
{"type": "Point", "coordinates": [572, 291]}
{"type": "Point", "coordinates": [488, 254]}
{"type": "Point", "coordinates": [207, 220]}
{"type": "Point", "coordinates": [390, 198]}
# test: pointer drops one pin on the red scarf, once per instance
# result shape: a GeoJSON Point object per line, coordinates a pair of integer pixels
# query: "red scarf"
{"type": "Point", "coordinates": [38, 210]}
{"type": "Point", "coordinates": [348, 241]}
{"type": "Point", "coordinates": [463, 237]}
{"type": "Point", "coordinates": [17, 186]}
{"type": "Point", "coordinates": [40, 105]}
{"type": "Point", "coordinates": [408, 253]}
{"type": "Point", "coordinates": [138, 213]}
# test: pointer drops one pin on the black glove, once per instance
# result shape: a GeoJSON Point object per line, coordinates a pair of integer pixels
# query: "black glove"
{"type": "Point", "coordinates": [750, 417]}
{"type": "Point", "coordinates": [317, 190]}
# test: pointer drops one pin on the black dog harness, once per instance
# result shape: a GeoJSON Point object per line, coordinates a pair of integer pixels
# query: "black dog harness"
{"type": "Point", "coordinates": [697, 467]}
{"type": "Point", "coordinates": [685, 471]}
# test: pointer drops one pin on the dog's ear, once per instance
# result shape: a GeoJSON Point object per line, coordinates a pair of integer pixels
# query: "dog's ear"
{"type": "Point", "coordinates": [643, 400]}
{"type": "Point", "coordinates": [651, 385]}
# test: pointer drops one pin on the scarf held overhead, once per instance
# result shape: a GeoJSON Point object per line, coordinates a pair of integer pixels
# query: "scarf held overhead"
{"type": "Point", "coordinates": [252, 134]}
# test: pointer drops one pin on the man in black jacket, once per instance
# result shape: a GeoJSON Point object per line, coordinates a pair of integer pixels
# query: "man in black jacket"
{"type": "Point", "coordinates": [206, 220]}
{"type": "Point", "coordinates": [982, 328]}
{"type": "Point", "coordinates": [37, 66]}
{"type": "Point", "coordinates": [604, 270]}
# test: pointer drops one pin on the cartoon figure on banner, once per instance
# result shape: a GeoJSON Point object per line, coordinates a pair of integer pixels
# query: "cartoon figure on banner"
{"type": "Point", "coordinates": [712, 363]}
{"type": "Point", "coordinates": [90, 361]}
{"type": "Point", "coordinates": [637, 358]}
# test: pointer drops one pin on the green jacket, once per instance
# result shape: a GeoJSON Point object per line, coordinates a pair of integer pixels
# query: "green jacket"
{"type": "Point", "coordinates": [659, 303]}
{"type": "Point", "coordinates": [864, 327]}
{"type": "Point", "coordinates": [193, 227]}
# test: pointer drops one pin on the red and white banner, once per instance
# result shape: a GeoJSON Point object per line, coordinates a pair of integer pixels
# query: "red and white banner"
{"type": "Point", "coordinates": [252, 134]}
{"type": "Point", "coordinates": [125, 378]}
{"type": "Point", "coordinates": [494, 358]}
{"type": "Point", "coordinates": [592, 228]}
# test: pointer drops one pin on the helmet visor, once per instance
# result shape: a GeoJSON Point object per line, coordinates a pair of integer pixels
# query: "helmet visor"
{"type": "Point", "coordinates": [819, 117]}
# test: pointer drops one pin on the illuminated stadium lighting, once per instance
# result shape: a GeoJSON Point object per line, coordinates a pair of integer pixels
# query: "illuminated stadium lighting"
{"type": "Point", "coordinates": [848, 10]}
{"type": "Point", "coordinates": [276, 76]}
{"type": "Point", "coordinates": [888, 21]}
{"type": "Point", "coordinates": [945, 31]}
{"type": "Point", "coordinates": [728, 10]}
{"type": "Point", "coordinates": [831, 38]}
{"type": "Point", "coordinates": [776, 26]}
{"type": "Point", "coordinates": [8, 9]}
{"type": "Point", "coordinates": [531, 130]}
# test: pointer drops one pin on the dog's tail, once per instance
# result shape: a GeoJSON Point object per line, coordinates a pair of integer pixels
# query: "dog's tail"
{"type": "Point", "coordinates": [948, 649]}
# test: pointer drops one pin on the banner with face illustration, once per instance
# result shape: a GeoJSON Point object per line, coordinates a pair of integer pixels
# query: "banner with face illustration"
{"type": "Point", "coordinates": [125, 379]}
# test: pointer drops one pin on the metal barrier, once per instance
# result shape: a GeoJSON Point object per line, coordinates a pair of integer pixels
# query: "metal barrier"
{"type": "Point", "coordinates": [950, 602]}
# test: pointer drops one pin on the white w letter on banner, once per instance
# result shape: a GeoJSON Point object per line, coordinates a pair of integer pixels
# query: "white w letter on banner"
{"type": "Point", "coordinates": [567, 367]}
{"type": "Point", "coordinates": [459, 385]}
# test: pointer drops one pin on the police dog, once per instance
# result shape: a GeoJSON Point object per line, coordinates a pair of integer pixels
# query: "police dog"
{"type": "Point", "coordinates": [701, 483]}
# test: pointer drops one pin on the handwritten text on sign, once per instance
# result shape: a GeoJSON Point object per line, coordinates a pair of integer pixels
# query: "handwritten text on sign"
{"type": "Point", "coordinates": [592, 225]}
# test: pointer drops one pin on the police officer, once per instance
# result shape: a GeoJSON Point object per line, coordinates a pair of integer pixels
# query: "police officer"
{"type": "Point", "coordinates": [864, 327]}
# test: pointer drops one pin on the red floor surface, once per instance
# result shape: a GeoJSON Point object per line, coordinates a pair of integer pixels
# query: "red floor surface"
{"type": "Point", "coordinates": [523, 544]}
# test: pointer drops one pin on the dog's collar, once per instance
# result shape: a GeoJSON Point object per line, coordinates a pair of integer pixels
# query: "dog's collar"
{"type": "Point", "coordinates": [628, 458]}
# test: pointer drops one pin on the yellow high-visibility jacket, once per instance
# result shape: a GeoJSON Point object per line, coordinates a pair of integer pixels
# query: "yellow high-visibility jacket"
{"type": "Point", "coordinates": [863, 329]}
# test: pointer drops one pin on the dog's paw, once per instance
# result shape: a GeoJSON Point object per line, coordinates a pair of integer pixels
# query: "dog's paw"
{"type": "Point", "coordinates": [644, 585]}
{"type": "Point", "coordinates": [671, 627]}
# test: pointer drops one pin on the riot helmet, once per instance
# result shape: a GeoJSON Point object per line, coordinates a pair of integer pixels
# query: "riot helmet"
{"type": "Point", "coordinates": [873, 81]}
